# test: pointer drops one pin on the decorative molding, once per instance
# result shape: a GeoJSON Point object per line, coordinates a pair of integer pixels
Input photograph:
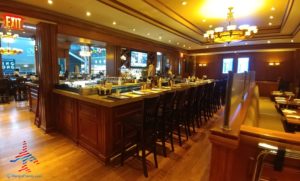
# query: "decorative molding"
{"type": "Point", "coordinates": [245, 48]}
{"type": "Point", "coordinates": [141, 16]}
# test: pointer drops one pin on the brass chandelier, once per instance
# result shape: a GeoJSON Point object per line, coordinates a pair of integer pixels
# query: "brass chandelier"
{"type": "Point", "coordinates": [9, 38]}
{"type": "Point", "coordinates": [232, 33]}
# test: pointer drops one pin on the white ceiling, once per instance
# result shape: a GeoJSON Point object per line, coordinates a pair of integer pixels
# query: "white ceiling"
{"type": "Point", "coordinates": [170, 22]}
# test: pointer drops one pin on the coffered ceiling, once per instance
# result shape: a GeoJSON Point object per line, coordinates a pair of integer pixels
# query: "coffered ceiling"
{"type": "Point", "coordinates": [181, 23]}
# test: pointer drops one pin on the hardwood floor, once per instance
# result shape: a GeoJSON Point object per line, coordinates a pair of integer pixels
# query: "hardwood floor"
{"type": "Point", "coordinates": [61, 159]}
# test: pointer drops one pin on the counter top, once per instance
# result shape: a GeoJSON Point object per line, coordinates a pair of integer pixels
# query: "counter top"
{"type": "Point", "coordinates": [124, 98]}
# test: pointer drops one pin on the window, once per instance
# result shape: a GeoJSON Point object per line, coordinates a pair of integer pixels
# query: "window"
{"type": "Point", "coordinates": [83, 58]}
{"type": "Point", "coordinates": [227, 65]}
{"type": "Point", "coordinates": [243, 64]}
{"type": "Point", "coordinates": [25, 61]}
{"type": "Point", "coordinates": [98, 60]}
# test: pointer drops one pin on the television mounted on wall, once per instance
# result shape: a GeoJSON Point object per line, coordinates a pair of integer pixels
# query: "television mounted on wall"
{"type": "Point", "coordinates": [138, 59]}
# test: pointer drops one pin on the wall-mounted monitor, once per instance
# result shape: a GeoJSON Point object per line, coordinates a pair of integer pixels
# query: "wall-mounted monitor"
{"type": "Point", "coordinates": [138, 59]}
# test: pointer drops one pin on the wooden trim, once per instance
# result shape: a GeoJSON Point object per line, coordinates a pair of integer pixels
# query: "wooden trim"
{"type": "Point", "coordinates": [177, 14]}
{"type": "Point", "coordinates": [248, 47]}
{"type": "Point", "coordinates": [287, 12]}
{"type": "Point", "coordinates": [137, 14]}
{"type": "Point", "coordinates": [272, 135]}
{"type": "Point", "coordinates": [117, 37]}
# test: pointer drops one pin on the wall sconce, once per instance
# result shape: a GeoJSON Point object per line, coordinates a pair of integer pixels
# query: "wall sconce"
{"type": "Point", "coordinates": [181, 55]}
{"type": "Point", "coordinates": [202, 64]}
{"type": "Point", "coordinates": [274, 63]}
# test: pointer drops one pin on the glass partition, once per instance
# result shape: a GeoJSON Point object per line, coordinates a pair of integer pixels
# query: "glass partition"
{"type": "Point", "coordinates": [238, 85]}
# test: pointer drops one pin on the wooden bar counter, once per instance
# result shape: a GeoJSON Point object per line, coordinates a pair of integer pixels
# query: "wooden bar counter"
{"type": "Point", "coordinates": [95, 122]}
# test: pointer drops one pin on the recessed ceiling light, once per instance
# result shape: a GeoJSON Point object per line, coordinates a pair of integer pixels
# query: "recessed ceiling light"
{"type": "Point", "coordinates": [160, 37]}
{"type": "Point", "coordinates": [170, 41]}
{"type": "Point", "coordinates": [269, 41]}
{"type": "Point", "coordinates": [114, 23]}
{"type": "Point", "coordinates": [148, 34]}
{"type": "Point", "coordinates": [271, 17]}
{"type": "Point", "coordinates": [133, 29]}
{"type": "Point", "coordinates": [177, 43]}
{"type": "Point", "coordinates": [292, 41]}
{"type": "Point", "coordinates": [88, 13]}
{"type": "Point", "coordinates": [183, 3]}
{"type": "Point", "coordinates": [210, 26]}
{"type": "Point", "coordinates": [273, 9]}
{"type": "Point", "coordinates": [207, 46]}
{"type": "Point", "coordinates": [50, 2]}
{"type": "Point", "coordinates": [183, 45]}
{"type": "Point", "coordinates": [270, 24]}
{"type": "Point", "coordinates": [190, 47]}
{"type": "Point", "coordinates": [204, 20]}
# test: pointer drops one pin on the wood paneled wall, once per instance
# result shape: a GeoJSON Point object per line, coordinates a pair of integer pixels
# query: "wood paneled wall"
{"type": "Point", "coordinates": [258, 63]}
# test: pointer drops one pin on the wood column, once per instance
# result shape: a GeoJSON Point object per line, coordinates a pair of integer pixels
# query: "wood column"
{"type": "Point", "coordinates": [46, 40]}
{"type": "Point", "coordinates": [112, 55]}
{"type": "Point", "coordinates": [296, 71]}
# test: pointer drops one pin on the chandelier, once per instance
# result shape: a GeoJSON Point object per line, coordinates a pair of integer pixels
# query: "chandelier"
{"type": "Point", "coordinates": [9, 38]}
{"type": "Point", "coordinates": [10, 51]}
{"type": "Point", "coordinates": [232, 33]}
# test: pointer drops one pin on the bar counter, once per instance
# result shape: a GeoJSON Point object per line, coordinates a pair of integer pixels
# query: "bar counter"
{"type": "Point", "coordinates": [95, 122]}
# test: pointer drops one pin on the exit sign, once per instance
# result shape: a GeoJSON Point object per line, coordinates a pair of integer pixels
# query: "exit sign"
{"type": "Point", "coordinates": [13, 22]}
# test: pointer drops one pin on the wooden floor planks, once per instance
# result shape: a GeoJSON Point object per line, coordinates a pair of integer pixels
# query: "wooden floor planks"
{"type": "Point", "coordinates": [61, 159]}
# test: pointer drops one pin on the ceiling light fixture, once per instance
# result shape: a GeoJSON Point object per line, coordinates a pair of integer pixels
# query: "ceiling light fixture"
{"type": "Point", "coordinates": [88, 13]}
{"type": "Point", "coordinates": [9, 38]}
{"type": "Point", "coordinates": [271, 17]}
{"type": "Point", "coordinates": [232, 33]}
{"type": "Point", "coordinates": [133, 29]}
{"type": "Point", "coordinates": [183, 3]}
{"type": "Point", "coordinates": [268, 41]}
{"type": "Point", "coordinates": [114, 23]}
{"type": "Point", "coordinates": [292, 41]}
{"type": "Point", "coordinates": [273, 9]}
{"type": "Point", "coordinates": [50, 2]}
{"type": "Point", "coordinates": [270, 24]}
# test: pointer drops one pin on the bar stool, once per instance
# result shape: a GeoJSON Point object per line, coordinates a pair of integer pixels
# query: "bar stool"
{"type": "Point", "coordinates": [180, 114]}
{"type": "Point", "coordinates": [140, 131]}
{"type": "Point", "coordinates": [165, 120]}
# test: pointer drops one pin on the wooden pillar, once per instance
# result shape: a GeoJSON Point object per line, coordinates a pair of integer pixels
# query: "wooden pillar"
{"type": "Point", "coordinates": [46, 40]}
{"type": "Point", "coordinates": [112, 56]}
{"type": "Point", "coordinates": [296, 71]}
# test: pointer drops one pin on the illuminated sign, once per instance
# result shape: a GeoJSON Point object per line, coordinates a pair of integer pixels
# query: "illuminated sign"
{"type": "Point", "coordinates": [13, 22]}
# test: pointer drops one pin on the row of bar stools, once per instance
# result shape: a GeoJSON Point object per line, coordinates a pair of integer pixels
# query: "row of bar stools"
{"type": "Point", "coordinates": [165, 114]}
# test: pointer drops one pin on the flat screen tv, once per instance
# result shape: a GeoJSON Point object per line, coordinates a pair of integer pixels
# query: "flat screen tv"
{"type": "Point", "coordinates": [138, 59]}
